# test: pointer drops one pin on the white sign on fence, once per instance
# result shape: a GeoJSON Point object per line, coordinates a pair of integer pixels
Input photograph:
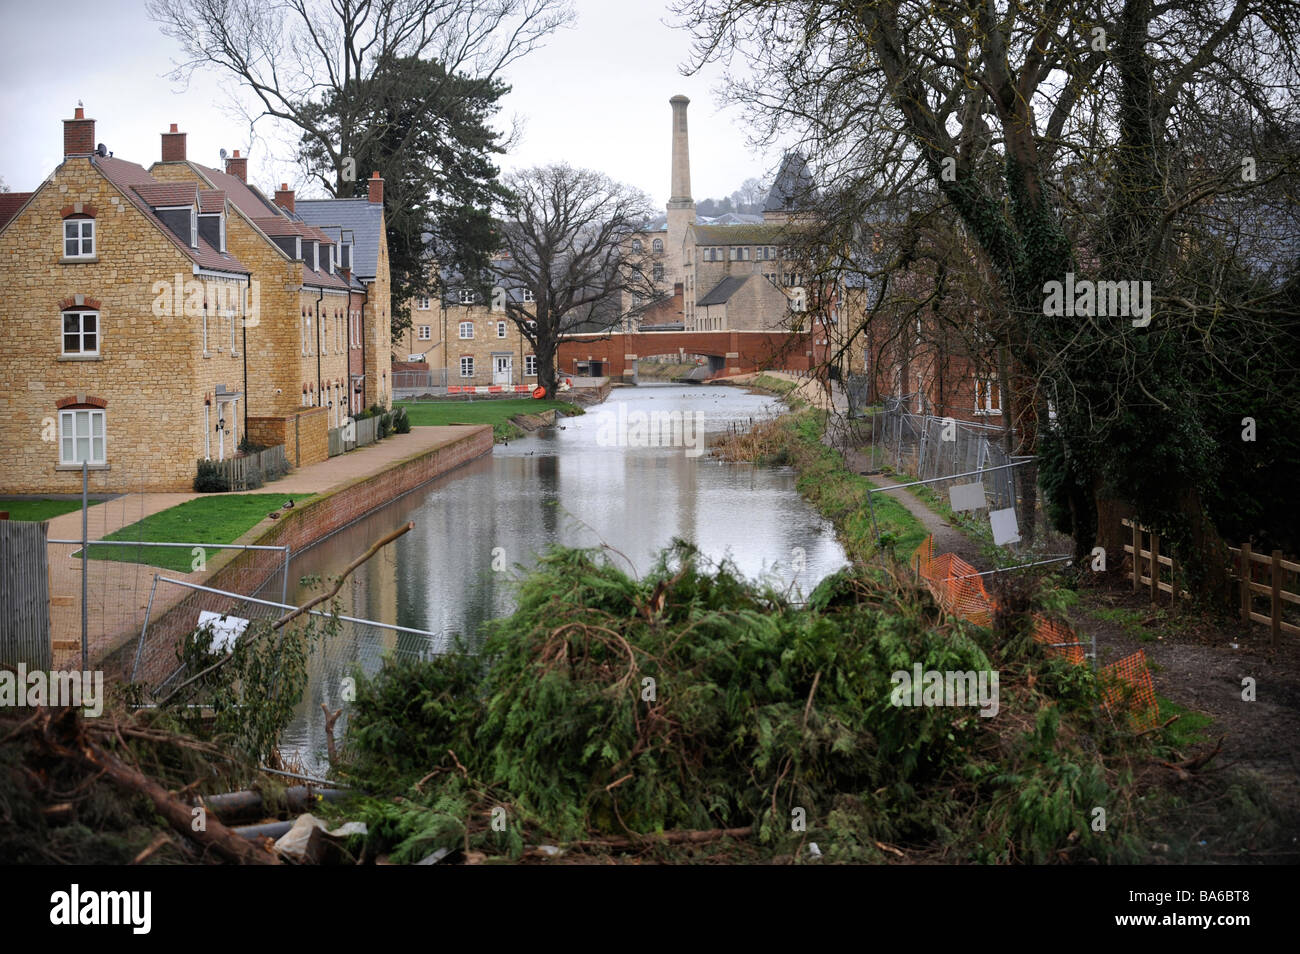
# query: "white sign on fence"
{"type": "Point", "coordinates": [1005, 528]}
{"type": "Point", "coordinates": [225, 629]}
{"type": "Point", "coordinates": [967, 496]}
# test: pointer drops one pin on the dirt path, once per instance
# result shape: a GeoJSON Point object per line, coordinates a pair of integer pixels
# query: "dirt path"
{"type": "Point", "coordinates": [947, 538]}
{"type": "Point", "coordinates": [1199, 662]}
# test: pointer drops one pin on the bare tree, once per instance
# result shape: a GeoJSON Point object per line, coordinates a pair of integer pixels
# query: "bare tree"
{"type": "Point", "coordinates": [1055, 134]}
{"type": "Point", "coordinates": [566, 241]}
{"type": "Point", "coordinates": [296, 55]}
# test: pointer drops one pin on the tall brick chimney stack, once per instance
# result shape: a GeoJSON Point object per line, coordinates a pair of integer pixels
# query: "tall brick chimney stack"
{"type": "Point", "coordinates": [78, 135]}
{"type": "Point", "coordinates": [284, 196]}
{"type": "Point", "coordinates": [237, 166]}
{"type": "Point", "coordinates": [681, 207]}
{"type": "Point", "coordinates": [173, 145]}
{"type": "Point", "coordinates": [376, 188]}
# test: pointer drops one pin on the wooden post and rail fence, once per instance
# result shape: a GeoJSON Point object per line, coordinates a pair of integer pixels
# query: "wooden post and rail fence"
{"type": "Point", "coordinates": [1243, 561]}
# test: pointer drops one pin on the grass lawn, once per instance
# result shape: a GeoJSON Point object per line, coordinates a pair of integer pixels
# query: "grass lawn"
{"type": "Point", "coordinates": [37, 510]}
{"type": "Point", "coordinates": [494, 412]}
{"type": "Point", "coordinates": [219, 518]}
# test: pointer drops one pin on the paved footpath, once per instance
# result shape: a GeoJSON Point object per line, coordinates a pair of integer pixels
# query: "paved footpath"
{"type": "Point", "coordinates": [119, 592]}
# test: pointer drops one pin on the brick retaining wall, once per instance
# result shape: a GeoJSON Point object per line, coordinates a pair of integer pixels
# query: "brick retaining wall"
{"type": "Point", "coordinates": [298, 529]}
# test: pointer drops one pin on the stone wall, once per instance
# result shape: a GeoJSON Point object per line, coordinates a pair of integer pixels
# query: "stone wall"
{"type": "Point", "coordinates": [150, 372]}
{"type": "Point", "coordinates": [482, 347]}
{"type": "Point", "coordinates": [272, 334]}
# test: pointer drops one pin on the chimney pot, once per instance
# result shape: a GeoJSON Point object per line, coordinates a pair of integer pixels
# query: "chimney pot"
{"type": "Point", "coordinates": [173, 129]}
{"type": "Point", "coordinates": [79, 114]}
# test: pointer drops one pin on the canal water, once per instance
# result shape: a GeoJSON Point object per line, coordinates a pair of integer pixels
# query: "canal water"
{"type": "Point", "coordinates": [587, 482]}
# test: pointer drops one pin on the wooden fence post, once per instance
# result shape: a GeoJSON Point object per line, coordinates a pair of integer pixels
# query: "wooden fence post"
{"type": "Point", "coordinates": [1245, 583]}
{"type": "Point", "coordinates": [1173, 581]}
{"type": "Point", "coordinates": [1137, 554]}
{"type": "Point", "coordinates": [1276, 572]}
{"type": "Point", "coordinates": [1155, 566]}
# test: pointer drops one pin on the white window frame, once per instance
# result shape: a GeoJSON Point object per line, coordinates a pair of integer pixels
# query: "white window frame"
{"type": "Point", "coordinates": [637, 247]}
{"type": "Point", "coordinates": [81, 314]}
{"type": "Point", "coordinates": [657, 246]}
{"type": "Point", "coordinates": [462, 330]}
{"type": "Point", "coordinates": [80, 238]}
{"type": "Point", "coordinates": [422, 304]}
{"type": "Point", "coordinates": [530, 365]}
{"type": "Point", "coordinates": [985, 387]}
{"type": "Point", "coordinates": [501, 329]}
{"type": "Point", "coordinates": [529, 297]}
{"type": "Point", "coordinates": [92, 414]}
{"type": "Point", "coordinates": [207, 432]}
{"type": "Point", "coordinates": [194, 227]}
{"type": "Point", "coordinates": [468, 296]}
{"type": "Point", "coordinates": [657, 273]}
{"type": "Point", "coordinates": [467, 366]}
{"type": "Point", "coordinates": [424, 333]}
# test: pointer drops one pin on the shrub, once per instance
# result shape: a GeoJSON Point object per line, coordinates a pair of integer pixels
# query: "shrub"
{"type": "Point", "coordinates": [210, 479]}
{"type": "Point", "coordinates": [401, 423]}
{"type": "Point", "coordinates": [385, 425]}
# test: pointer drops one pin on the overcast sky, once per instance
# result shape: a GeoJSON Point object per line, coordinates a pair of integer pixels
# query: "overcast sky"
{"type": "Point", "coordinates": [596, 96]}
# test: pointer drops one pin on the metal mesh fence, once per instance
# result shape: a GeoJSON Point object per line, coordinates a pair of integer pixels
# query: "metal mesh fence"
{"type": "Point", "coordinates": [119, 587]}
{"type": "Point", "coordinates": [357, 643]}
{"type": "Point", "coordinates": [926, 447]}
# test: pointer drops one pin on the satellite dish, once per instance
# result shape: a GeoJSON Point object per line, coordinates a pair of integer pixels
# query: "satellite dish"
{"type": "Point", "coordinates": [223, 153]}
{"type": "Point", "coordinates": [101, 150]}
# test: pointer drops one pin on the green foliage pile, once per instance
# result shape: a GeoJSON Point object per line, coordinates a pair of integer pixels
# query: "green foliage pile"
{"type": "Point", "coordinates": [759, 707]}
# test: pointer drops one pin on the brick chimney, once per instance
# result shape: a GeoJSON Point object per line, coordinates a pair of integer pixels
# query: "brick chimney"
{"type": "Point", "coordinates": [78, 135]}
{"type": "Point", "coordinates": [376, 188]}
{"type": "Point", "coordinates": [237, 166]}
{"type": "Point", "coordinates": [284, 196]}
{"type": "Point", "coordinates": [173, 145]}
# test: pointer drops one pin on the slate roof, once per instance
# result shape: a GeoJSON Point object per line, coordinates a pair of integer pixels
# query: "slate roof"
{"type": "Point", "coordinates": [723, 291]}
{"type": "Point", "coordinates": [130, 179]}
{"type": "Point", "coordinates": [794, 188]}
{"type": "Point", "coordinates": [364, 218]}
{"type": "Point", "coordinates": [10, 203]}
{"type": "Point", "coordinates": [772, 233]}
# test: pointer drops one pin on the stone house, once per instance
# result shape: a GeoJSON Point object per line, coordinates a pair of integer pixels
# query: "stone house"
{"type": "Point", "coordinates": [322, 275]}
{"type": "Point", "coordinates": [124, 320]}
{"type": "Point", "coordinates": [472, 341]}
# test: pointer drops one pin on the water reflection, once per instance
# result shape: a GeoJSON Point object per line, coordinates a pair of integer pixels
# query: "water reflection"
{"type": "Point", "coordinates": [559, 485]}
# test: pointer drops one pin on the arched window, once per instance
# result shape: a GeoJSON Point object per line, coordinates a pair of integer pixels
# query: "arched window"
{"type": "Point", "coordinates": [658, 246]}
{"type": "Point", "coordinates": [636, 246]}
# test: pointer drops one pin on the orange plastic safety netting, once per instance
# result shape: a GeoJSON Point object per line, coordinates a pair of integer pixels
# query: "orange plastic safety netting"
{"type": "Point", "coordinates": [956, 585]}
{"type": "Point", "coordinates": [1126, 684]}
{"type": "Point", "coordinates": [1059, 639]}
{"type": "Point", "coordinates": [1127, 687]}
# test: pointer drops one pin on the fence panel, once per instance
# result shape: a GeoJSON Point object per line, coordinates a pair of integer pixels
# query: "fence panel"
{"type": "Point", "coordinates": [367, 428]}
{"type": "Point", "coordinates": [336, 441]}
{"type": "Point", "coordinates": [252, 470]}
{"type": "Point", "coordinates": [24, 595]}
{"type": "Point", "coordinates": [414, 383]}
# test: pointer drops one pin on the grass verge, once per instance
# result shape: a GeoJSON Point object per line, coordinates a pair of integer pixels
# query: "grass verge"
{"type": "Point", "coordinates": [38, 510]}
{"type": "Point", "coordinates": [494, 412]}
{"type": "Point", "coordinates": [220, 518]}
{"type": "Point", "coordinates": [827, 483]}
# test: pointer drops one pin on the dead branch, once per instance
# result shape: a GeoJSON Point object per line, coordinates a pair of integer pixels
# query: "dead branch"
{"type": "Point", "coordinates": [289, 617]}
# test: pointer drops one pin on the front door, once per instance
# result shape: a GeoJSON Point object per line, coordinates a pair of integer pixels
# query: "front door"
{"type": "Point", "coordinates": [502, 369]}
